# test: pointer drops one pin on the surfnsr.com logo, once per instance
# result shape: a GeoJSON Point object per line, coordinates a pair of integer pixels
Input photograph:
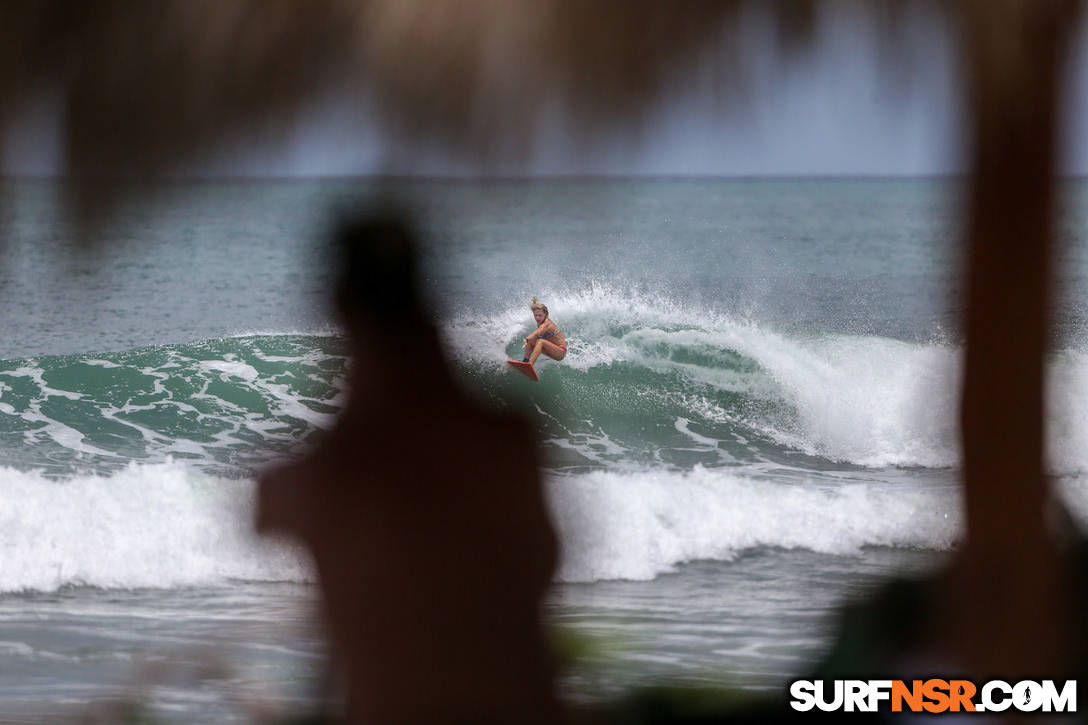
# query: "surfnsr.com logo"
{"type": "Point", "coordinates": [933, 696]}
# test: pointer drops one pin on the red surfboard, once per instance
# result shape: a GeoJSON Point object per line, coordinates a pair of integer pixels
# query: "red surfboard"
{"type": "Point", "coordinates": [524, 368]}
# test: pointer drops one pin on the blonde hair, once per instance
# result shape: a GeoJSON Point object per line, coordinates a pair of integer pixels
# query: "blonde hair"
{"type": "Point", "coordinates": [534, 305]}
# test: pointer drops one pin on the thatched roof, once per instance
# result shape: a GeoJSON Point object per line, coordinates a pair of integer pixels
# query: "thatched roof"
{"type": "Point", "coordinates": [146, 85]}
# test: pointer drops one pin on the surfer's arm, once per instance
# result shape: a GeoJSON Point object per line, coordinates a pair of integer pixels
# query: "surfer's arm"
{"type": "Point", "coordinates": [534, 334]}
{"type": "Point", "coordinates": [537, 333]}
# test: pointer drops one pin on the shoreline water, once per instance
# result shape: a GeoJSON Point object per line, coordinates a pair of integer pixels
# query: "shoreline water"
{"type": "Point", "coordinates": [222, 653]}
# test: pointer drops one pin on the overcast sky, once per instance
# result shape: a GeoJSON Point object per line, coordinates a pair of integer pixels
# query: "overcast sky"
{"type": "Point", "coordinates": [839, 110]}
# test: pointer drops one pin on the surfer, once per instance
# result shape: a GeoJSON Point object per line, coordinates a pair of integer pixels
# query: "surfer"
{"type": "Point", "coordinates": [546, 339]}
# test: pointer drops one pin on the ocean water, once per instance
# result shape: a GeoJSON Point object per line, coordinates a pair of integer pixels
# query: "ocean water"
{"type": "Point", "coordinates": [755, 421]}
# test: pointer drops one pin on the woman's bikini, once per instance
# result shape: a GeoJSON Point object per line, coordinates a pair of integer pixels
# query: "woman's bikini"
{"type": "Point", "coordinates": [547, 335]}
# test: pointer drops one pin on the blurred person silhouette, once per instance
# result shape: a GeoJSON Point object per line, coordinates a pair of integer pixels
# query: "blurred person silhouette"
{"type": "Point", "coordinates": [425, 516]}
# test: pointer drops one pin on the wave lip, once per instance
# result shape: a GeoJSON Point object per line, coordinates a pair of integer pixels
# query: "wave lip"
{"type": "Point", "coordinates": [869, 401]}
{"type": "Point", "coordinates": [639, 525]}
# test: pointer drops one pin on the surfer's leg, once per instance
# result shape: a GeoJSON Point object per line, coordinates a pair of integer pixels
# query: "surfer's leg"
{"type": "Point", "coordinates": [550, 349]}
{"type": "Point", "coordinates": [528, 352]}
{"type": "Point", "coordinates": [536, 351]}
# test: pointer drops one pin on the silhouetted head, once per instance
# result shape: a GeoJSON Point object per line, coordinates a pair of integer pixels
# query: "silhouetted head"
{"type": "Point", "coordinates": [378, 284]}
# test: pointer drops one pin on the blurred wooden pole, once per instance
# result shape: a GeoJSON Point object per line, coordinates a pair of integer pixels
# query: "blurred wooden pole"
{"type": "Point", "coordinates": [1006, 609]}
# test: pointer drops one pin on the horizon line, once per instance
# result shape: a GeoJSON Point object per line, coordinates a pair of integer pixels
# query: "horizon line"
{"type": "Point", "coordinates": [509, 177]}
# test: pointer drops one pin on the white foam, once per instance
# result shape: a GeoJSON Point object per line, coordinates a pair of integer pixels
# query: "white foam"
{"type": "Point", "coordinates": [162, 525]}
{"type": "Point", "coordinates": [318, 330]}
{"type": "Point", "coordinates": [229, 366]}
{"type": "Point", "coordinates": [169, 525]}
{"type": "Point", "coordinates": [284, 406]}
{"type": "Point", "coordinates": [701, 442]}
{"type": "Point", "coordinates": [638, 525]}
